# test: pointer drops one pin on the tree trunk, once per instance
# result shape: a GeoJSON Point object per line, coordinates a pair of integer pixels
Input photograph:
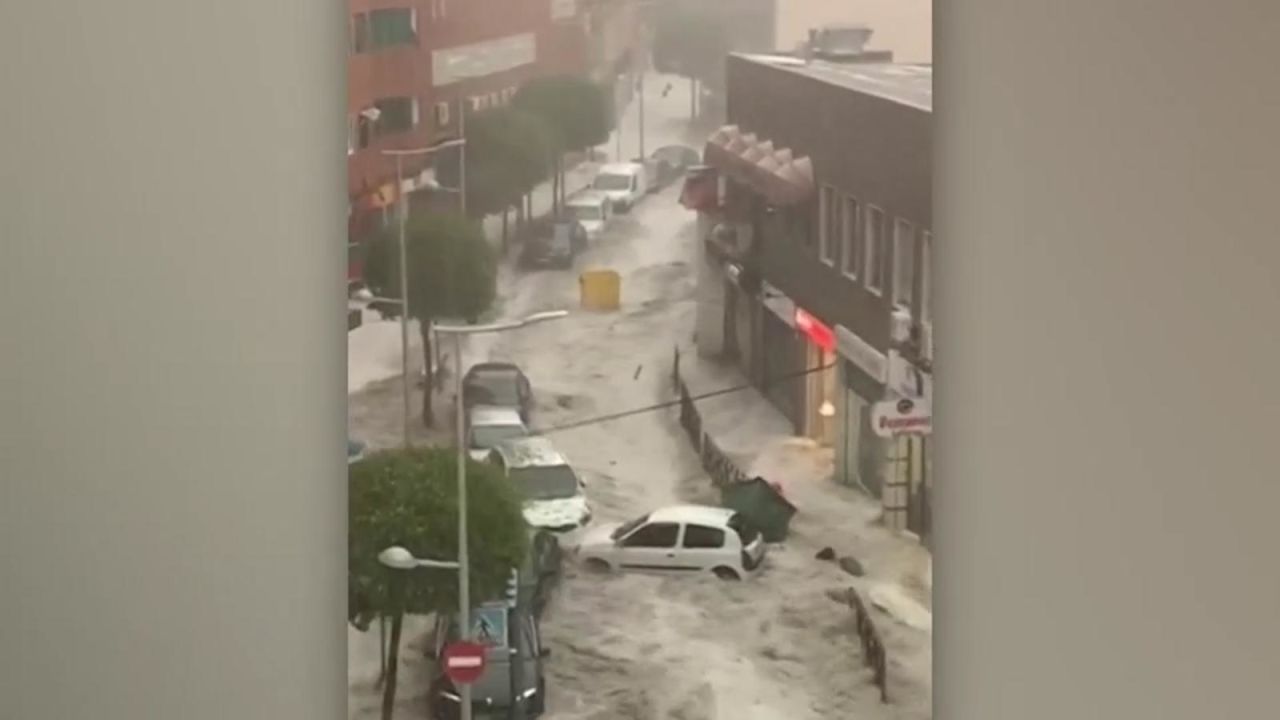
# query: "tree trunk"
{"type": "Point", "coordinates": [393, 663]}
{"type": "Point", "coordinates": [428, 389]}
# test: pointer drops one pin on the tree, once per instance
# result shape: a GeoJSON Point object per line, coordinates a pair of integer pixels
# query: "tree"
{"type": "Point", "coordinates": [408, 498]}
{"type": "Point", "coordinates": [508, 153]}
{"type": "Point", "coordinates": [577, 113]}
{"type": "Point", "coordinates": [452, 273]}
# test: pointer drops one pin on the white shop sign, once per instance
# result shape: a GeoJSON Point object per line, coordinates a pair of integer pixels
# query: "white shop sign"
{"type": "Point", "coordinates": [778, 303]}
{"type": "Point", "coordinates": [479, 59]}
{"type": "Point", "coordinates": [862, 354]}
{"type": "Point", "coordinates": [891, 418]}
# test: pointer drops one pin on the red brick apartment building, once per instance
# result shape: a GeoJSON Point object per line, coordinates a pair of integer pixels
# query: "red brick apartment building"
{"type": "Point", "coordinates": [412, 63]}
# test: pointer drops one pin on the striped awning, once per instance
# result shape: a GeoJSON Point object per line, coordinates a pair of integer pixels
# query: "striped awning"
{"type": "Point", "coordinates": [773, 172]}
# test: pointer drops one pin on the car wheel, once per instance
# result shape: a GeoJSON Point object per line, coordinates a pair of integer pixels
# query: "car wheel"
{"type": "Point", "coordinates": [597, 566]}
{"type": "Point", "coordinates": [726, 573]}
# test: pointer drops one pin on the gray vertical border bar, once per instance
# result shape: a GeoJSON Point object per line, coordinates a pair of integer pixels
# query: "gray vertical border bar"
{"type": "Point", "coordinates": [1108, 283]}
{"type": "Point", "coordinates": [172, 502]}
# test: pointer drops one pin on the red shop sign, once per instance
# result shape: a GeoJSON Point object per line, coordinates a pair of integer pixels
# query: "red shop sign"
{"type": "Point", "coordinates": [821, 335]}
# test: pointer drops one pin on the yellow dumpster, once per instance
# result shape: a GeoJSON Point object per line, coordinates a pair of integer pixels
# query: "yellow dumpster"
{"type": "Point", "coordinates": [600, 289]}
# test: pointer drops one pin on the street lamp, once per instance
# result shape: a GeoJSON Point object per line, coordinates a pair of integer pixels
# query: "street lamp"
{"type": "Point", "coordinates": [398, 558]}
{"type": "Point", "coordinates": [464, 569]}
{"type": "Point", "coordinates": [399, 155]}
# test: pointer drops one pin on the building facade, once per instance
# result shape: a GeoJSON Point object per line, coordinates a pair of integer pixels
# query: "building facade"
{"type": "Point", "coordinates": [821, 292]}
{"type": "Point", "coordinates": [414, 65]}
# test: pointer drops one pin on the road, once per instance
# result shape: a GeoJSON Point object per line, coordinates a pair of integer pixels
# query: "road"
{"type": "Point", "coordinates": [633, 647]}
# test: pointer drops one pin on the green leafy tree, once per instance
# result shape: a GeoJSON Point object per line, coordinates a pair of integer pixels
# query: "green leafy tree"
{"type": "Point", "coordinates": [508, 153]}
{"type": "Point", "coordinates": [452, 272]}
{"type": "Point", "coordinates": [577, 113]}
{"type": "Point", "coordinates": [408, 498]}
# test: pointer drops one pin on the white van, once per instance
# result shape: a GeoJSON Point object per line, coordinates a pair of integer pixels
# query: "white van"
{"type": "Point", "coordinates": [623, 183]}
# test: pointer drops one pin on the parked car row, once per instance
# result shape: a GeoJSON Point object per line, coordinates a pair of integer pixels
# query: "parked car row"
{"type": "Point", "coordinates": [616, 188]}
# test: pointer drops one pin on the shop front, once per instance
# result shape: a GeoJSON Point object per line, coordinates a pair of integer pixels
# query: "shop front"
{"type": "Point", "coordinates": [783, 356]}
{"type": "Point", "coordinates": [820, 380]}
{"type": "Point", "coordinates": [863, 372]}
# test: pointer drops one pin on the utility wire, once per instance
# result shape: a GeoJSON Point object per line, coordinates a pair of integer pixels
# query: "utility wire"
{"type": "Point", "coordinates": [675, 403]}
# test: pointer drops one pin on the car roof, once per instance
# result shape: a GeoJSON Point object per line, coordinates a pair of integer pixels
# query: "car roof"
{"type": "Point", "coordinates": [495, 415]}
{"type": "Point", "coordinates": [532, 451]}
{"type": "Point", "coordinates": [488, 367]}
{"type": "Point", "coordinates": [587, 198]}
{"type": "Point", "coordinates": [699, 514]}
{"type": "Point", "coordinates": [628, 168]}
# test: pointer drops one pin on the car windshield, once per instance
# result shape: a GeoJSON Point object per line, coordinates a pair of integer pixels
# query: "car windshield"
{"type": "Point", "coordinates": [585, 212]}
{"type": "Point", "coordinates": [484, 437]}
{"type": "Point", "coordinates": [546, 482]}
{"type": "Point", "coordinates": [613, 181]}
{"type": "Point", "coordinates": [493, 387]}
{"type": "Point", "coordinates": [627, 527]}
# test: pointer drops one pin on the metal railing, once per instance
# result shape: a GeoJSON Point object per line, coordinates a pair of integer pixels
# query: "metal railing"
{"type": "Point", "coordinates": [723, 471]}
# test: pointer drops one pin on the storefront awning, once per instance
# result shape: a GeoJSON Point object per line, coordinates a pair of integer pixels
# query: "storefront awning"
{"type": "Point", "coordinates": [773, 172]}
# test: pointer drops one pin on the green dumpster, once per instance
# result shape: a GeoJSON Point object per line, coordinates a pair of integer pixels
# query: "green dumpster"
{"type": "Point", "coordinates": [762, 505]}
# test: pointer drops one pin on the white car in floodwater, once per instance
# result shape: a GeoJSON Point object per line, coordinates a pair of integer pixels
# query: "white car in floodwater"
{"type": "Point", "coordinates": [554, 496]}
{"type": "Point", "coordinates": [488, 425]}
{"type": "Point", "coordinates": [678, 539]}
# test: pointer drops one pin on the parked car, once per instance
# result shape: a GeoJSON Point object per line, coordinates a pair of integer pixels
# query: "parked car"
{"type": "Point", "coordinates": [672, 162]}
{"type": "Point", "coordinates": [677, 539]}
{"type": "Point", "coordinates": [623, 183]}
{"type": "Point", "coordinates": [593, 210]}
{"type": "Point", "coordinates": [498, 384]}
{"type": "Point", "coordinates": [513, 666]}
{"type": "Point", "coordinates": [554, 495]}
{"type": "Point", "coordinates": [488, 425]}
{"type": "Point", "coordinates": [554, 244]}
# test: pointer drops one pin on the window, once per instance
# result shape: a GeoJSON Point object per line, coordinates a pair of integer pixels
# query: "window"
{"type": "Point", "coordinates": [875, 246]}
{"type": "Point", "coordinates": [353, 134]}
{"type": "Point", "coordinates": [850, 250]}
{"type": "Point", "coordinates": [546, 482]}
{"type": "Point", "coordinates": [364, 131]}
{"type": "Point", "coordinates": [925, 311]}
{"type": "Point", "coordinates": [655, 535]}
{"type": "Point", "coordinates": [442, 115]}
{"type": "Point", "coordinates": [828, 224]}
{"type": "Point", "coordinates": [700, 537]}
{"type": "Point", "coordinates": [392, 27]}
{"type": "Point", "coordinates": [396, 115]}
{"type": "Point", "coordinates": [904, 262]}
{"type": "Point", "coordinates": [360, 33]}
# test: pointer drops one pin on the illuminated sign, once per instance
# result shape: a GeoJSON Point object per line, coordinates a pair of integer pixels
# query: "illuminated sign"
{"type": "Point", "coordinates": [820, 334]}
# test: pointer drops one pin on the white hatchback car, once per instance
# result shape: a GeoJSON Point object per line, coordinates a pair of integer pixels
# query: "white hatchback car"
{"type": "Point", "coordinates": [677, 539]}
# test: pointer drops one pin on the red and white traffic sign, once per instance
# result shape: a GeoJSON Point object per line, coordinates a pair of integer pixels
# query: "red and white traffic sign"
{"type": "Point", "coordinates": [464, 662]}
{"type": "Point", "coordinates": [901, 417]}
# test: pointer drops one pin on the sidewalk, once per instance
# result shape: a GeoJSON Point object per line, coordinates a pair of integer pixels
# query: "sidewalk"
{"type": "Point", "coordinates": [898, 570]}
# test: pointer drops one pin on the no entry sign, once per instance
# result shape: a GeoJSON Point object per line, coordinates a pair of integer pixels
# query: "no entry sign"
{"type": "Point", "coordinates": [464, 662]}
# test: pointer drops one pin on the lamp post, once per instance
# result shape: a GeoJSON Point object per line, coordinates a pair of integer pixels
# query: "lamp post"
{"type": "Point", "coordinates": [399, 155]}
{"type": "Point", "coordinates": [464, 568]}
{"type": "Point", "coordinates": [400, 559]}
